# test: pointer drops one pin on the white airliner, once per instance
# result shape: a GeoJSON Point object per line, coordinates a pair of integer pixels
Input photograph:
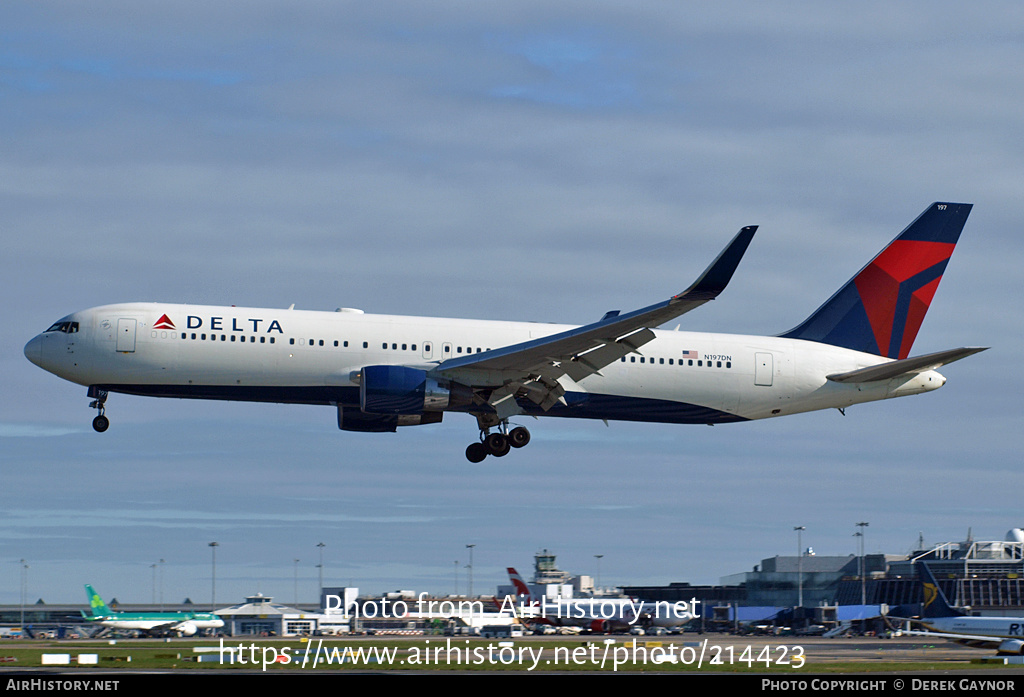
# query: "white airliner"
{"type": "Point", "coordinates": [1006, 634]}
{"type": "Point", "coordinates": [601, 614]}
{"type": "Point", "coordinates": [382, 371]}
{"type": "Point", "coordinates": [150, 623]}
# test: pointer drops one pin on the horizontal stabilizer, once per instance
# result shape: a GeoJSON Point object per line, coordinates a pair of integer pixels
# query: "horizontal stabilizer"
{"type": "Point", "coordinates": [916, 364]}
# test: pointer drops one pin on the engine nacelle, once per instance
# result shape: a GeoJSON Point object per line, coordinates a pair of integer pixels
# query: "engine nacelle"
{"type": "Point", "coordinates": [186, 629]}
{"type": "Point", "coordinates": [397, 389]}
{"type": "Point", "coordinates": [1011, 647]}
{"type": "Point", "coordinates": [353, 419]}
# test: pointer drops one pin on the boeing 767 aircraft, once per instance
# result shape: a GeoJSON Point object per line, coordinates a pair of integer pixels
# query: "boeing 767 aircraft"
{"type": "Point", "coordinates": [381, 372]}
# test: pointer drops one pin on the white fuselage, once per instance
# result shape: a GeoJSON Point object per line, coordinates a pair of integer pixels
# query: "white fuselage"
{"type": "Point", "coordinates": [995, 627]}
{"type": "Point", "coordinates": [294, 356]}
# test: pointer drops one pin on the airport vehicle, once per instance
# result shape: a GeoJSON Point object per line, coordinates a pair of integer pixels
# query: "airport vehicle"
{"type": "Point", "coordinates": [1006, 634]}
{"type": "Point", "coordinates": [381, 372]}
{"type": "Point", "coordinates": [599, 614]}
{"type": "Point", "coordinates": [150, 623]}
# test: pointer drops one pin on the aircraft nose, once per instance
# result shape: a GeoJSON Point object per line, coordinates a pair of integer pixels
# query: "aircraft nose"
{"type": "Point", "coordinates": [34, 350]}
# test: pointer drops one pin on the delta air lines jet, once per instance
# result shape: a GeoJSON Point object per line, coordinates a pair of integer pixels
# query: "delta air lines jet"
{"type": "Point", "coordinates": [381, 372]}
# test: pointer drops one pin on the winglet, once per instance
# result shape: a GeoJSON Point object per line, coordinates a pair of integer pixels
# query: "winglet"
{"type": "Point", "coordinates": [718, 274]}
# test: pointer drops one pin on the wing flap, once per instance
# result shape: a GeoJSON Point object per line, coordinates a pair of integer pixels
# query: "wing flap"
{"type": "Point", "coordinates": [915, 364]}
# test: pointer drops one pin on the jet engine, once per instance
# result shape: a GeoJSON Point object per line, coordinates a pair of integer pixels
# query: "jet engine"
{"type": "Point", "coordinates": [1011, 647]}
{"type": "Point", "coordinates": [397, 389]}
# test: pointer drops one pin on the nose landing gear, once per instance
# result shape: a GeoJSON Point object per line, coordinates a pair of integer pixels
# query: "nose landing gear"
{"type": "Point", "coordinates": [101, 423]}
{"type": "Point", "coordinates": [497, 444]}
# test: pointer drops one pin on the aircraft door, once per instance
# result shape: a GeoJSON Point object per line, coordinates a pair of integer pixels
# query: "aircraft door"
{"type": "Point", "coordinates": [428, 350]}
{"type": "Point", "coordinates": [125, 335]}
{"type": "Point", "coordinates": [763, 369]}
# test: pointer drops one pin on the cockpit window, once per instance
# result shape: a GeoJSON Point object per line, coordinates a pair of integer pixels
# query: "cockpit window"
{"type": "Point", "coordinates": [64, 327]}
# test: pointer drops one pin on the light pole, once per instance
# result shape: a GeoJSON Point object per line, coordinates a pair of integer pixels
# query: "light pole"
{"type": "Point", "coordinates": [863, 569]}
{"type": "Point", "coordinates": [598, 557]}
{"type": "Point", "coordinates": [320, 566]}
{"type": "Point", "coordinates": [24, 592]}
{"type": "Point", "coordinates": [456, 578]}
{"type": "Point", "coordinates": [153, 567]}
{"type": "Point", "coordinates": [470, 547]}
{"type": "Point", "coordinates": [799, 565]}
{"type": "Point", "coordinates": [296, 588]}
{"type": "Point", "coordinates": [161, 563]}
{"type": "Point", "coordinates": [213, 576]}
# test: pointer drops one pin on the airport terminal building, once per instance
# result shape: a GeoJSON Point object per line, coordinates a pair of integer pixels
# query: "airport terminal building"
{"type": "Point", "coordinates": [987, 577]}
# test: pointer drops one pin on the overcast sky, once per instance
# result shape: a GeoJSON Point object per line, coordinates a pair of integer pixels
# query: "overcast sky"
{"type": "Point", "coordinates": [502, 161]}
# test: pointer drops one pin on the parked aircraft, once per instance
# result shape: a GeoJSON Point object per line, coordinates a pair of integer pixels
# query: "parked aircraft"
{"type": "Point", "coordinates": [180, 623]}
{"type": "Point", "coordinates": [600, 614]}
{"type": "Point", "coordinates": [381, 372]}
{"type": "Point", "coordinates": [943, 621]}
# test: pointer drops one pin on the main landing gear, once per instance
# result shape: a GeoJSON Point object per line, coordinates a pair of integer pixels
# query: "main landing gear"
{"type": "Point", "coordinates": [497, 444]}
{"type": "Point", "coordinates": [101, 423]}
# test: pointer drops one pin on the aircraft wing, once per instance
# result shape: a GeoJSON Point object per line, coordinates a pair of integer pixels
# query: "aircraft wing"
{"type": "Point", "coordinates": [538, 369]}
{"type": "Point", "coordinates": [915, 364]}
{"type": "Point", "coordinates": [975, 640]}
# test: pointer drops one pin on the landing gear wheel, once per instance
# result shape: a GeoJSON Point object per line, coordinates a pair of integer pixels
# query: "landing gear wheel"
{"type": "Point", "coordinates": [476, 452]}
{"type": "Point", "coordinates": [497, 444]}
{"type": "Point", "coordinates": [518, 437]}
{"type": "Point", "coordinates": [100, 423]}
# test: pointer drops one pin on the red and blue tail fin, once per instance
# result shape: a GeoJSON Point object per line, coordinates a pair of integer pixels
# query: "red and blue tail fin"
{"type": "Point", "coordinates": [880, 310]}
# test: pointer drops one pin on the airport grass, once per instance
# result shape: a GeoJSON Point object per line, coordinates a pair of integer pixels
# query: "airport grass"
{"type": "Point", "coordinates": [408, 655]}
